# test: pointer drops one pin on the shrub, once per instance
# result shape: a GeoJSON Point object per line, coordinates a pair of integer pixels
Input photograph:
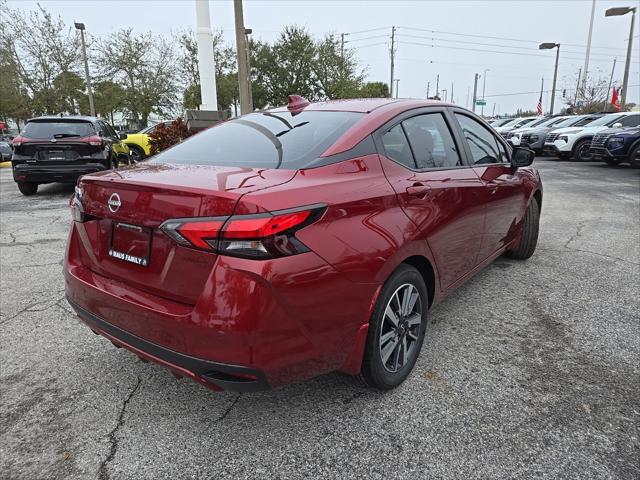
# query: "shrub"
{"type": "Point", "coordinates": [164, 136]}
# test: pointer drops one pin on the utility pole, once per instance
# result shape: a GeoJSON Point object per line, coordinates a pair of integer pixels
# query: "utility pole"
{"type": "Point", "coordinates": [555, 76]}
{"type": "Point", "coordinates": [606, 102]}
{"type": "Point", "coordinates": [475, 92]}
{"type": "Point", "coordinates": [397, 80]}
{"type": "Point", "coordinates": [428, 85]}
{"type": "Point", "coordinates": [575, 100]}
{"type": "Point", "coordinates": [614, 12]}
{"type": "Point", "coordinates": [585, 70]}
{"type": "Point", "coordinates": [484, 84]}
{"type": "Point", "coordinates": [393, 55]}
{"type": "Point", "coordinates": [243, 67]}
{"type": "Point", "coordinates": [81, 27]}
{"type": "Point", "coordinates": [342, 46]}
{"type": "Point", "coordinates": [438, 86]}
{"type": "Point", "coordinates": [451, 92]}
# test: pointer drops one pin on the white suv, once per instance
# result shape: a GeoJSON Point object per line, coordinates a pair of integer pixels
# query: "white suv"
{"type": "Point", "coordinates": [575, 141]}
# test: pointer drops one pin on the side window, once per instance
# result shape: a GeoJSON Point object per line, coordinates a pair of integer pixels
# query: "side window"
{"type": "Point", "coordinates": [482, 143]}
{"type": "Point", "coordinates": [630, 121]}
{"type": "Point", "coordinates": [431, 141]}
{"type": "Point", "coordinates": [110, 131]}
{"type": "Point", "coordinates": [504, 157]}
{"type": "Point", "coordinates": [397, 147]}
{"type": "Point", "coordinates": [102, 128]}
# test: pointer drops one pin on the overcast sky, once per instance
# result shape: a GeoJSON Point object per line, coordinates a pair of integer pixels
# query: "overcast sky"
{"type": "Point", "coordinates": [452, 37]}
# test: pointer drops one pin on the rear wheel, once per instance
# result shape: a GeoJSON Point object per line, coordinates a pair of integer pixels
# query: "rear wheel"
{"type": "Point", "coordinates": [396, 331]}
{"type": "Point", "coordinates": [529, 236]}
{"type": "Point", "coordinates": [28, 188]}
{"type": "Point", "coordinates": [581, 151]}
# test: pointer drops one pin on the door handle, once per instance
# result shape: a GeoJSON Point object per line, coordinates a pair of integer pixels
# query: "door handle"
{"type": "Point", "coordinates": [419, 190]}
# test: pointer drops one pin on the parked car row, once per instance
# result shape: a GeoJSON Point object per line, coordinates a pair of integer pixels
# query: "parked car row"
{"type": "Point", "coordinates": [610, 137]}
{"type": "Point", "coordinates": [61, 149]}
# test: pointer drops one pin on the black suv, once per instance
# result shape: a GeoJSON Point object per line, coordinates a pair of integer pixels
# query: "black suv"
{"type": "Point", "coordinates": [60, 149]}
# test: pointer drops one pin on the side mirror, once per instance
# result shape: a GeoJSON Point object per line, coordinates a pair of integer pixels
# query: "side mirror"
{"type": "Point", "coordinates": [617, 125]}
{"type": "Point", "coordinates": [122, 136]}
{"type": "Point", "coordinates": [522, 157]}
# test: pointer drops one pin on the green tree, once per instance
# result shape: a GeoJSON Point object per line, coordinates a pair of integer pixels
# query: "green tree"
{"type": "Point", "coordinates": [335, 71]}
{"type": "Point", "coordinates": [108, 98]}
{"type": "Point", "coordinates": [144, 66]}
{"type": "Point", "coordinates": [374, 90]}
{"type": "Point", "coordinates": [69, 96]}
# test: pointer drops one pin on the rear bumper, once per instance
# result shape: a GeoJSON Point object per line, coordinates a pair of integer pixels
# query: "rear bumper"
{"type": "Point", "coordinates": [215, 375]}
{"type": "Point", "coordinates": [39, 173]}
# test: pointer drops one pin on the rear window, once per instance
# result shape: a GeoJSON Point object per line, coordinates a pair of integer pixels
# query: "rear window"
{"type": "Point", "coordinates": [263, 140]}
{"type": "Point", "coordinates": [50, 129]}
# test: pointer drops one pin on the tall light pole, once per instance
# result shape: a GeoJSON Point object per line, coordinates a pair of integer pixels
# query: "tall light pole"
{"type": "Point", "coordinates": [397, 80]}
{"type": "Point", "coordinates": [613, 12]}
{"type": "Point", "coordinates": [81, 27]}
{"type": "Point", "coordinates": [392, 52]}
{"type": "Point", "coordinates": [549, 46]}
{"type": "Point", "coordinates": [585, 70]}
{"type": "Point", "coordinates": [206, 66]}
{"type": "Point", "coordinates": [484, 84]}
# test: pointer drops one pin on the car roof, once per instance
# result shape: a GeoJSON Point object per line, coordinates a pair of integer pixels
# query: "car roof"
{"type": "Point", "coordinates": [57, 118]}
{"type": "Point", "coordinates": [365, 105]}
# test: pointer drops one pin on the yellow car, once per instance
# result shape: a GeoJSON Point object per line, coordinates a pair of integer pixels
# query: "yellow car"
{"type": "Point", "coordinates": [138, 143]}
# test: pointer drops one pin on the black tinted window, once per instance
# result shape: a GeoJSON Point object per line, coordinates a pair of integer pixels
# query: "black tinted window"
{"type": "Point", "coordinates": [397, 147]}
{"type": "Point", "coordinates": [630, 121]}
{"type": "Point", "coordinates": [263, 140]}
{"type": "Point", "coordinates": [431, 141]}
{"type": "Point", "coordinates": [482, 143]}
{"type": "Point", "coordinates": [50, 129]}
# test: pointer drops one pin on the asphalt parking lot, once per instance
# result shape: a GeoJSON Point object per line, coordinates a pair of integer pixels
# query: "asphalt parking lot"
{"type": "Point", "coordinates": [530, 370]}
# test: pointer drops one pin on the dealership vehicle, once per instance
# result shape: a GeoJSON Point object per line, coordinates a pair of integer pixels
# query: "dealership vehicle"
{"type": "Point", "coordinates": [514, 137]}
{"type": "Point", "coordinates": [60, 149]}
{"type": "Point", "coordinates": [515, 123]}
{"type": "Point", "coordinates": [5, 151]}
{"type": "Point", "coordinates": [535, 139]}
{"type": "Point", "coordinates": [300, 240]}
{"type": "Point", "coordinates": [620, 146]}
{"type": "Point", "coordinates": [575, 142]}
{"type": "Point", "coordinates": [138, 142]}
{"type": "Point", "coordinates": [499, 122]}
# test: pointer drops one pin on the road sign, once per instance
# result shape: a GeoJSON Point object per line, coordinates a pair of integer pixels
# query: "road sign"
{"type": "Point", "coordinates": [481, 103]}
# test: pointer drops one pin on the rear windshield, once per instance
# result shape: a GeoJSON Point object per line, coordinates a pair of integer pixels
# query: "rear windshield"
{"type": "Point", "coordinates": [263, 140]}
{"type": "Point", "coordinates": [50, 129]}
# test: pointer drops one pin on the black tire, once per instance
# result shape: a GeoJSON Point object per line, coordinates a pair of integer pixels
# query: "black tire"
{"type": "Point", "coordinates": [634, 157]}
{"type": "Point", "coordinates": [28, 188]}
{"type": "Point", "coordinates": [581, 151]}
{"type": "Point", "coordinates": [136, 153]}
{"type": "Point", "coordinates": [376, 372]}
{"type": "Point", "coordinates": [530, 229]}
{"type": "Point", "coordinates": [612, 161]}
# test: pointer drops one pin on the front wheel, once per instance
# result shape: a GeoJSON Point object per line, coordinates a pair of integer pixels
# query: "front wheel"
{"type": "Point", "coordinates": [28, 188]}
{"type": "Point", "coordinates": [634, 157]}
{"type": "Point", "coordinates": [581, 151]}
{"type": "Point", "coordinates": [136, 153]}
{"type": "Point", "coordinates": [396, 330]}
{"type": "Point", "coordinates": [529, 235]}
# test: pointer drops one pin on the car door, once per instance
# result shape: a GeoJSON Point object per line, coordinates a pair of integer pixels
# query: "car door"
{"type": "Point", "coordinates": [437, 190]}
{"type": "Point", "coordinates": [119, 148]}
{"type": "Point", "coordinates": [504, 188]}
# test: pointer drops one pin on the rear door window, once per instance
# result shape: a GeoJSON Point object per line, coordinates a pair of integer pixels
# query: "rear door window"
{"type": "Point", "coordinates": [431, 141]}
{"type": "Point", "coordinates": [39, 129]}
{"type": "Point", "coordinates": [630, 121]}
{"type": "Point", "coordinates": [289, 140]}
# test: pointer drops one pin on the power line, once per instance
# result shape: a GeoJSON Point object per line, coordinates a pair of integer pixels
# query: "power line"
{"type": "Point", "coordinates": [367, 31]}
{"type": "Point", "coordinates": [364, 38]}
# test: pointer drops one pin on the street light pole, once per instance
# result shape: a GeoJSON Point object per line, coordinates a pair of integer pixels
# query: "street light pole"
{"type": "Point", "coordinates": [243, 66]}
{"type": "Point", "coordinates": [484, 84]}
{"type": "Point", "coordinates": [81, 27]}
{"type": "Point", "coordinates": [475, 92]}
{"type": "Point", "coordinates": [585, 70]}
{"type": "Point", "coordinates": [549, 46]}
{"type": "Point", "coordinates": [623, 11]}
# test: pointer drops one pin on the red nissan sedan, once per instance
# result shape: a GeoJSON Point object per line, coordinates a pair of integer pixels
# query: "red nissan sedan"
{"type": "Point", "coordinates": [297, 241]}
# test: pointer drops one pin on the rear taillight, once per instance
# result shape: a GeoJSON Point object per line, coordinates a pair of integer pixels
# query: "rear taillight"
{"type": "Point", "coordinates": [260, 236]}
{"type": "Point", "coordinates": [95, 141]}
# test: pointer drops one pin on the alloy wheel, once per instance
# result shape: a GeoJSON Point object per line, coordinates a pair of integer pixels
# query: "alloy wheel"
{"type": "Point", "coordinates": [400, 327]}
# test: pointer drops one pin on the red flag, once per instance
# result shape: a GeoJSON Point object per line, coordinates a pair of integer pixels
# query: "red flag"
{"type": "Point", "coordinates": [615, 100]}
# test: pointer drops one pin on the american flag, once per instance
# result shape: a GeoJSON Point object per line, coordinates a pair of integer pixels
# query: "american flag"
{"type": "Point", "coordinates": [540, 105]}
